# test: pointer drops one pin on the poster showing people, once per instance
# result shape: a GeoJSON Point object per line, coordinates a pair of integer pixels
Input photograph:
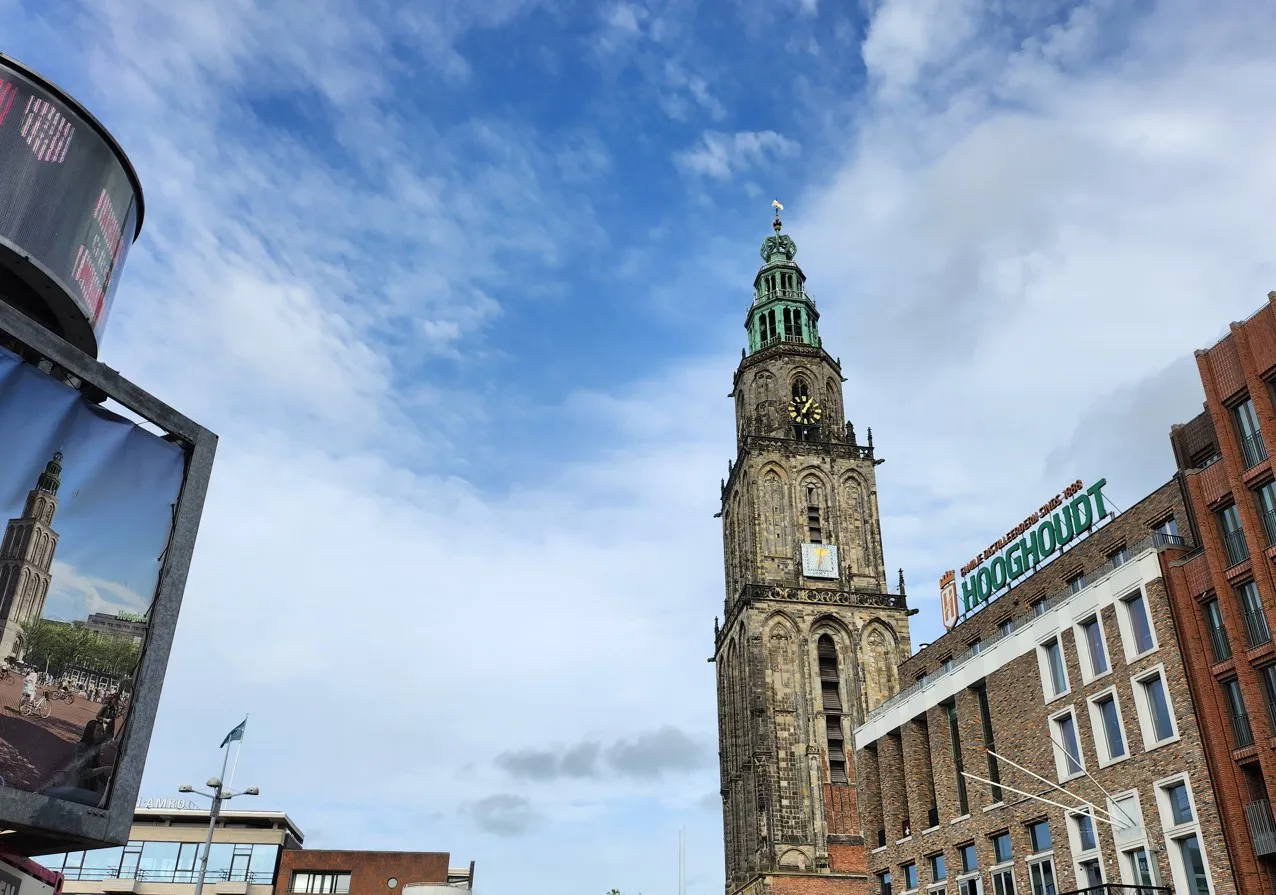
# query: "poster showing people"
{"type": "Point", "coordinates": [86, 499]}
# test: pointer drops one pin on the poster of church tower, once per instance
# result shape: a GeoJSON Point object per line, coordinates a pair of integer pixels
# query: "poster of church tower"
{"type": "Point", "coordinates": [86, 497]}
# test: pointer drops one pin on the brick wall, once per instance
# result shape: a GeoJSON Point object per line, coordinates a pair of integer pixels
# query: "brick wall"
{"type": "Point", "coordinates": [370, 871]}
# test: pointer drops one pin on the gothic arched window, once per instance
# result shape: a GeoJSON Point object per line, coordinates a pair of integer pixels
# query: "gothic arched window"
{"type": "Point", "coordinates": [779, 536]}
{"type": "Point", "coordinates": [800, 389]}
{"type": "Point", "coordinates": [831, 701]}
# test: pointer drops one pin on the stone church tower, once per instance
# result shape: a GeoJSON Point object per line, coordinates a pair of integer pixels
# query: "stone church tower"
{"type": "Point", "coordinates": [26, 555]}
{"type": "Point", "coordinates": [811, 638]}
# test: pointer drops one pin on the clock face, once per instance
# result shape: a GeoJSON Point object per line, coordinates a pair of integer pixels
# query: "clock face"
{"type": "Point", "coordinates": [806, 411]}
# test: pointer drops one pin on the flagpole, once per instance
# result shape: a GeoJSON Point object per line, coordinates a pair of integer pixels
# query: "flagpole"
{"type": "Point", "coordinates": [212, 823]}
{"type": "Point", "coordinates": [239, 748]}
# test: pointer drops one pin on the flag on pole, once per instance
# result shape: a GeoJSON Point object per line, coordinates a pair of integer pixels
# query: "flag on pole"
{"type": "Point", "coordinates": [235, 735]}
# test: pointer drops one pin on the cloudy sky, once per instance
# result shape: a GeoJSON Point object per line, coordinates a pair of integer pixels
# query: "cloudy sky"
{"type": "Point", "coordinates": [461, 287]}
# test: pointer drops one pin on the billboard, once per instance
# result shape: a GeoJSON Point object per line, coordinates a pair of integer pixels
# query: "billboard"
{"type": "Point", "coordinates": [99, 516]}
{"type": "Point", "coordinates": [70, 205]}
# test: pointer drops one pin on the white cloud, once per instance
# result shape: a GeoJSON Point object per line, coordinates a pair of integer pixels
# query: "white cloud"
{"type": "Point", "coordinates": [722, 156]}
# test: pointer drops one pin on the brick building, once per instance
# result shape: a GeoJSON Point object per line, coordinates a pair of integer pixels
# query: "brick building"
{"type": "Point", "coordinates": [1223, 594]}
{"type": "Point", "coordinates": [810, 638]}
{"type": "Point", "coordinates": [253, 853]}
{"type": "Point", "coordinates": [1074, 675]}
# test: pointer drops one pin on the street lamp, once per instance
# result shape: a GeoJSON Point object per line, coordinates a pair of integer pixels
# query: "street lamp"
{"type": "Point", "coordinates": [218, 795]}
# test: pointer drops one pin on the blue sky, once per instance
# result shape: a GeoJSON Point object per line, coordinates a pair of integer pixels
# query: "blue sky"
{"type": "Point", "coordinates": [461, 287]}
{"type": "Point", "coordinates": [118, 485]}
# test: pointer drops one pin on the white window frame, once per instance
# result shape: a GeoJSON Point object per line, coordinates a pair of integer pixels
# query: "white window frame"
{"type": "Point", "coordinates": [1080, 855]}
{"type": "Point", "coordinates": [1035, 860]}
{"type": "Point", "coordinates": [1174, 832]}
{"type": "Point", "coordinates": [1088, 674]}
{"type": "Point", "coordinates": [1100, 732]}
{"type": "Point", "coordinates": [968, 878]}
{"type": "Point", "coordinates": [1125, 864]}
{"type": "Point", "coordinates": [1126, 626]}
{"type": "Point", "coordinates": [1146, 723]}
{"type": "Point", "coordinates": [1129, 841]}
{"type": "Point", "coordinates": [1043, 666]}
{"type": "Point", "coordinates": [997, 870]}
{"type": "Point", "coordinates": [1060, 761]}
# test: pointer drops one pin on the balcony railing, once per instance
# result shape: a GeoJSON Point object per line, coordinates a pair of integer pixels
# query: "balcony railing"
{"type": "Point", "coordinates": [1237, 549]}
{"type": "Point", "coordinates": [1242, 730]}
{"type": "Point", "coordinates": [1253, 450]}
{"type": "Point", "coordinates": [1256, 630]}
{"type": "Point", "coordinates": [188, 877]}
{"type": "Point", "coordinates": [1222, 649]}
{"type": "Point", "coordinates": [1269, 526]}
{"type": "Point", "coordinates": [1262, 829]}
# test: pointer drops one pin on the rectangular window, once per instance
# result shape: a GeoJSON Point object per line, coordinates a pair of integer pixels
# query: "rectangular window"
{"type": "Point", "coordinates": [1168, 532]}
{"type": "Point", "coordinates": [1139, 867]}
{"type": "Point", "coordinates": [320, 883]}
{"type": "Point", "coordinates": [884, 883]}
{"type": "Point", "coordinates": [1096, 651]}
{"type": "Point", "coordinates": [1108, 730]}
{"type": "Point", "coordinates": [1253, 451]}
{"type": "Point", "coordinates": [1267, 675]}
{"type": "Point", "coordinates": [946, 664]}
{"type": "Point", "coordinates": [1039, 836]}
{"type": "Point", "coordinates": [985, 719]}
{"type": "Point", "coordinates": [1065, 735]}
{"type": "Point", "coordinates": [1119, 557]}
{"type": "Point", "coordinates": [1039, 608]}
{"type": "Point", "coordinates": [938, 868]}
{"type": "Point", "coordinates": [1266, 500]}
{"type": "Point", "coordinates": [1055, 667]}
{"type": "Point", "coordinates": [1003, 882]}
{"type": "Point", "coordinates": [954, 733]}
{"type": "Point", "coordinates": [976, 646]}
{"type": "Point", "coordinates": [1176, 796]}
{"type": "Point", "coordinates": [1256, 630]}
{"type": "Point", "coordinates": [1091, 875]}
{"type": "Point", "coordinates": [1240, 718]}
{"type": "Point", "coordinates": [910, 877]}
{"type": "Point", "coordinates": [1006, 627]}
{"type": "Point", "coordinates": [969, 886]}
{"type": "Point", "coordinates": [1219, 643]}
{"type": "Point", "coordinates": [1136, 611]}
{"type": "Point", "coordinates": [1075, 583]}
{"type": "Point", "coordinates": [1085, 832]}
{"type": "Point", "coordinates": [1041, 875]}
{"type": "Point", "coordinates": [1160, 723]}
{"type": "Point", "coordinates": [1192, 864]}
{"type": "Point", "coordinates": [1229, 524]}
{"type": "Point", "coordinates": [969, 858]}
{"type": "Point", "coordinates": [1002, 850]}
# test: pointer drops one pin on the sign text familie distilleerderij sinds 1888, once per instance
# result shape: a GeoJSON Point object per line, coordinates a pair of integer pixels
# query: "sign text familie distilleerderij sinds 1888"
{"type": "Point", "coordinates": [1025, 546]}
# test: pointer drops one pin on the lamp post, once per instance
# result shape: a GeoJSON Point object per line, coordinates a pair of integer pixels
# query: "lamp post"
{"type": "Point", "coordinates": [218, 795]}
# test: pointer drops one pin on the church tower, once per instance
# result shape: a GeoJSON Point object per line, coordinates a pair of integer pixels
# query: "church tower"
{"type": "Point", "coordinates": [811, 637]}
{"type": "Point", "coordinates": [26, 555]}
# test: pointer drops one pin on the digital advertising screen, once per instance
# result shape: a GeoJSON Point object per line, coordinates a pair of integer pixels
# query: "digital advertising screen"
{"type": "Point", "coordinates": [69, 203]}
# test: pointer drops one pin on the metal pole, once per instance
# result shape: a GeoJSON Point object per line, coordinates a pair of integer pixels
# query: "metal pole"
{"type": "Point", "coordinates": [212, 824]}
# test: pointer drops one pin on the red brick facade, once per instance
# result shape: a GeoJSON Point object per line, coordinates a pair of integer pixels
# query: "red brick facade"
{"type": "Point", "coordinates": [1224, 463]}
{"type": "Point", "coordinates": [371, 872]}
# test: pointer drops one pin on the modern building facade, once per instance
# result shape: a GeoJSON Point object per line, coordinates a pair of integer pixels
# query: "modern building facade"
{"type": "Point", "coordinates": [1047, 743]}
{"type": "Point", "coordinates": [811, 637]}
{"type": "Point", "coordinates": [253, 853]}
{"type": "Point", "coordinates": [1224, 593]}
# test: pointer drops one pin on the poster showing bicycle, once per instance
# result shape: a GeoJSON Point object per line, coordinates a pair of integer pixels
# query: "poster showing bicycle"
{"type": "Point", "coordinates": [88, 496]}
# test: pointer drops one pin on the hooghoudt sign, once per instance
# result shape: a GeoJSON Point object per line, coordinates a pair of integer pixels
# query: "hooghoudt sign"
{"type": "Point", "coordinates": [1051, 528]}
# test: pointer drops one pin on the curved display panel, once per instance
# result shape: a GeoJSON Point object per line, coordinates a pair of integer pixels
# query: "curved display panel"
{"type": "Point", "coordinates": [70, 204]}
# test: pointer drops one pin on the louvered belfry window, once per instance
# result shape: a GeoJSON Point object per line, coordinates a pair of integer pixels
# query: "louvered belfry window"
{"type": "Point", "coordinates": [831, 697]}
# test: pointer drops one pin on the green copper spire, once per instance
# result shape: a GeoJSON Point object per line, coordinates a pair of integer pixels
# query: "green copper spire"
{"type": "Point", "coordinates": [782, 312]}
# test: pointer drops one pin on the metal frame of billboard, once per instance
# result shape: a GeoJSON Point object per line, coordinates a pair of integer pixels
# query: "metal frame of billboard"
{"type": "Point", "coordinates": [31, 823]}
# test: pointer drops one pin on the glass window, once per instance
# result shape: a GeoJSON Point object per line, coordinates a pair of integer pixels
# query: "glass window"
{"type": "Point", "coordinates": [1240, 718]}
{"type": "Point", "coordinates": [976, 646]}
{"type": "Point", "coordinates": [954, 733]}
{"type": "Point", "coordinates": [1140, 867]}
{"type": "Point", "coordinates": [1140, 625]}
{"type": "Point", "coordinates": [1042, 876]}
{"type": "Point", "coordinates": [1266, 497]}
{"type": "Point", "coordinates": [1091, 873]}
{"type": "Point", "coordinates": [1075, 583]}
{"type": "Point", "coordinates": [1003, 882]}
{"type": "Point", "coordinates": [969, 859]}
{"type": "Point", "coordinates": [1267, 674]}
{"type": "Point", "coordinates": [1256, 628]}
{"type": "Point", "coordinates": [1193, 864]}
{"type": "Point", "coordinates": [1098, 656]}
{"type": "Point", "coordinates": [320, 883]}
{"type": "Point", "coordinates": [1158, 707]}
{"type": "Point", "coordinates": [1058, 674]}
{"type": "Point", "coordinates": [219, 857]}
{"type": "Point", "coordinates": [884, 883]}
{"type": "Point", "coordinates": [1001, 848]}
{"type": "Point", "coordinates": [1119, 557]}
{"type": "Point", "coordinates": [102, 863]}
{"type": "Point", "coordinates": [1040, 607]}
{"type": "Point", "coordinates": [1039, 834]}
{"type": "Point", "coordinates": [970, 886]}
{"type": "Point", "coordinates": [1168, 529]}
{"type": "Point", "coordinates": [1085, 831]}
{"type": "Point", "coordinates": [159, 861]}
{"type": "Point", "coordinates": [262, 865]}
{"type": "Point", "coordinates": [1006, 627]}
{"type": "Point", "coordinates": [938, 868]}
{"type": "Point", "coordinates": [1114, 742]}
{"type": "Point", "coordinates": [1218, 633]}
{"type": "Point", "coordinates": [1066, 728]}
{"type": "Point", "coordinates": [910, 877]}
{"type": "Point", "coordinates": [1253, 451]}
{"type": "Point", "coordinates": [1180, 803]}
{"type": "Point", "coordinates": [1229, 523]}
{"type": "Point", "coordinates": [946, 664]}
